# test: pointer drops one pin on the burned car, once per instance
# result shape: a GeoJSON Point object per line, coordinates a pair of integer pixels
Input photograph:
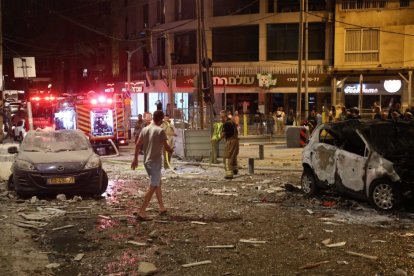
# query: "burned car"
{"type": "Point", "coordinates": [371, 160]}
{"type": "Point", "coordinates": [61, 161]}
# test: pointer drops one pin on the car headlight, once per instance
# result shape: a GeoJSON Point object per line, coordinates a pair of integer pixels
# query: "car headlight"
{"type": "Point", "coordinates": [25, 165]}
{"type": "Point", "coordinates": [93, 162]}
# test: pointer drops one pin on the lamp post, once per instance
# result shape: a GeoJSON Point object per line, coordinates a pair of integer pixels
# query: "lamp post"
{"type": "Point", "coordinates": [130, 53]}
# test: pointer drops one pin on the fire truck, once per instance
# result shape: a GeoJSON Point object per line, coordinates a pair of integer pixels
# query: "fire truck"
{"type": "Point", "coordinates": [102, 117]}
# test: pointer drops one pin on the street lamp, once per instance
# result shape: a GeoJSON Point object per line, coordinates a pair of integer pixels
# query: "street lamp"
{"type": "Point", "coordinates": [130, 53]}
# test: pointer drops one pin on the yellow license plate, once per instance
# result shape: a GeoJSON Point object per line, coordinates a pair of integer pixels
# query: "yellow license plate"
{"type": "Point", "coordinates": [61, 180]}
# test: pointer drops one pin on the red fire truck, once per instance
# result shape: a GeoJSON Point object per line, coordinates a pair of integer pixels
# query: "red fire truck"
{"type": "Point", "coordinates": [102, 117]}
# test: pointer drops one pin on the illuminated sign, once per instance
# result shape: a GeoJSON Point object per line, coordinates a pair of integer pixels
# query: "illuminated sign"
{"type": "Point", "coordinates": [356, 89]}
{"type": "Point", "coordinates": [392, 86]}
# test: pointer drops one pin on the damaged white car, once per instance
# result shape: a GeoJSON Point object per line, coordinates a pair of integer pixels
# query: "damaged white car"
{"type": "Point", "coordinates": [372, 160]}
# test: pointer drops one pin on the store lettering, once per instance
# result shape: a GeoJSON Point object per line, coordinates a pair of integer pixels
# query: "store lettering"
{"type": "Point", "coordinates": [350, 89]}
{"type": "Point", "coordinates": [310, 79]}
{"type": "Point", "coordinates": [237, 80]}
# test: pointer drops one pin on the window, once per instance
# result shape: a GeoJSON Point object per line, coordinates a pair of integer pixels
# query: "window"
{"type": "Point", "coordinates": [288, 5]}
{"type": "Point", "coordinates": [282, 41]}
{"type": "Point", "coordinates": [161, 51]}
{"type": "Point", "coordinates": [145, 11]}
{"type": "Point", "coordinates": [232, 7]}
{"type": "Point", "coordinates": [236, 44]}
{"type": "Point", "coordinates": [404, 3]}
{"type": "Point", "coordinates": [363, 4]}
{"type": "Point", "coordinates": [362, 45]}
{"type": "Point", "coordinates": [185, 9]}
{"type": "Point", "coordinates": [160, 12]}
{"type": "Point", "coordinates": [185, 48]}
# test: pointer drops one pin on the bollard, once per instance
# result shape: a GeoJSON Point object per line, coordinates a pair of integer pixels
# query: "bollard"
{"type": "Point", "coordinates": [251, 165]}
{"type": "Point", "coordinates": [261, 152]}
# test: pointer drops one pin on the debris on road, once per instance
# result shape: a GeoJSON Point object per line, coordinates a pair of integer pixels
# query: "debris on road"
{"type": "Point", "coordinates": [252, 241]}
{"type": "Point", "coordinates": [197, 263]}
{"type": "Point", "coordinates": [313, 265]}
{"type": "Point", "coordinates": [145, 268]}
{"type": "Point", "coordinates": [78, 257]}
{"type": "Point", "coordinates": [43, 214]}
{"type": "Point", "coordinates": [220, 246]}
{"type": "Point", "coordinates": [362, 255]}
{"type": "Point", "coordinates": [53, 265]}
{"type": "Point", "coordinates": [136, 243]}
{"type": "Point", "coordinates": [198, 222]}
{"type": "Point", "coordinates": [61, 197]}
{"type": "Point", "coordinates": [63, 227]}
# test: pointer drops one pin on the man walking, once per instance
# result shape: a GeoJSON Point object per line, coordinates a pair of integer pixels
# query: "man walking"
{"type": "Point", "coordinates": [231, 149]}
{"type": "Point", "coordinates": [154, 140]}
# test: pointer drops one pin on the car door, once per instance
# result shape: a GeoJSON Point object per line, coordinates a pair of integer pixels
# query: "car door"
{"type": "Point", "coordinates": [322, 156]}
{"type": "Point", "coordinates": [351, 160]}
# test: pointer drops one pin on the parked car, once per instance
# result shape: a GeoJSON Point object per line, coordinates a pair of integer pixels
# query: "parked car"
{"type": "Point", "coordinates": [56, 161]}
{"type": "Point", "coordinates": [19, 130]}
{"type": "Point", "coordinates": [371, 160]}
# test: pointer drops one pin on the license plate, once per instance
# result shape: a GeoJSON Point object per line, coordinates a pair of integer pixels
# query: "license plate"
{"type": "Point", "coordinates": [61, 180]}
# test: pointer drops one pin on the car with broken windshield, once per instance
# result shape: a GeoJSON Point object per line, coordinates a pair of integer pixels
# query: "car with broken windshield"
{"type": "Point", "coordinates": [56, 161]}
{"type": "Point", "coordinates": [371, 160]}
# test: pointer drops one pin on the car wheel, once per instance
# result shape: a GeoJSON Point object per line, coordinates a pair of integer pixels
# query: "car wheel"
{"type": "Point", "coordinates": [10, 184]}
{"type": "Point", "coordinates": [308, 182]}
{"type": "Point", "coordinates": [385, 196]}
{"type": "Point", "coordinates": [104, 184]}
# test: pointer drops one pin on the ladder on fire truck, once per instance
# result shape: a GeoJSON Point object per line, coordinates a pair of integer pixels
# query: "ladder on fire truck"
{"type": "Point", "coordinates": [120, 117]}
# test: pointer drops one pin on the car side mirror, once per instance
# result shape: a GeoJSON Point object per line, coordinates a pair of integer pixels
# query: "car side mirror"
{"type": "Point", "coordinates": [12, 150]}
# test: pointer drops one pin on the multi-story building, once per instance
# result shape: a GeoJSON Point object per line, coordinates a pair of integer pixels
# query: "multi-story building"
{"type": "Point", "coordinates": [253, 45]}
{"type": "Point", "coordinates": [374, 46]}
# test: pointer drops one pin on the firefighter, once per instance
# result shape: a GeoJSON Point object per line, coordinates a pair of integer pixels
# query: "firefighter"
{"type": "Point", "coordinates": [170, 132]}
{"type": "Point", "coordinates": [231, 149]}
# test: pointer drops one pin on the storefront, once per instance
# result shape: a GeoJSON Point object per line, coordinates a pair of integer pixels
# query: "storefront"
{"type": "Point", "coordinates": [383, 93]}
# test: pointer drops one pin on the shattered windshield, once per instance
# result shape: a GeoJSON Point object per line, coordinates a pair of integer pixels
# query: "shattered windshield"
{"type": "Point", "coordinates": [393, 139]}
{"type": "Point", "coordinates": [54, 141]}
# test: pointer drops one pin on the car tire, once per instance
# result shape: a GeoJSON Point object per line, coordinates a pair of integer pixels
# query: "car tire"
{"type": "Point", "coordinates": [104, 185]}
{"type": "Point", "coordinates": [385, 195]}
{"type": "Point", "coordinates": [308, 182]}
{"type": "Point", "coordinates": [10, 184]}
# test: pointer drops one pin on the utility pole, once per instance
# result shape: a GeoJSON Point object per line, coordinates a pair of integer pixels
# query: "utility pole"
{"type": "Point", "coordinates": [171, 99]}
{"type": "Point", "coordinates": [200, 69]}
{"type": "Point", "coordinates": [306, 59]}
{"type": "Point", "coordinates": [300, 57]}
{"type": "Point", "coordinates": [1, 76]}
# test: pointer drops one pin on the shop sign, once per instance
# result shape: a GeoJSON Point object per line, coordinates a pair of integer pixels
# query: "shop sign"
{"type": "Point", "coordinates": [356, 89]}
{"type": "Point", "coordinates": [384, 88]}
{"type": "Point", "coordinates": [185, 81]}
{"type": "Point", "coordinates": [314, 80]}
{"type": "Point", "coordinates": [265, 80]}
{"type": "Point", "coordinates": [235, 81]}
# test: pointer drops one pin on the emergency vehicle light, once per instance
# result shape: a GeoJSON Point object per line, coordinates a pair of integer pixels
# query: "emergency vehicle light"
{"type": "Point", "coordinates": [101, 99]}
{"type": "Point", "coordinates": [94, 101]}
{"type": "Point", "coordinates": [35, 99]}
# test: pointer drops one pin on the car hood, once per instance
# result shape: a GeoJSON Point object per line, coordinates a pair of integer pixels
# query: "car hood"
{"type": "Point", "coordinates": [55, 157]}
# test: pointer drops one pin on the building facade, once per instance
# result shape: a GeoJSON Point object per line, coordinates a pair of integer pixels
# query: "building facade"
{"type": "Point", "coordinates": [253, 46]}
{"type": "Point", "coordinates": [374, 54]}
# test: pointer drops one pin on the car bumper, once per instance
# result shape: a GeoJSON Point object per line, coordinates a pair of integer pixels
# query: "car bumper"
{"type": "Point", "coordinates": [28, 183]}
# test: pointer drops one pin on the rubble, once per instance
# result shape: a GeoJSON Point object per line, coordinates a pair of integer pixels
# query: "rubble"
{"type": "Point", "coordinates": [61, 197]}
{"type": "Point", "coordinates": [78, 257]}
{"type": "Point", "coordinates": [145, 268]}
{"type": "Point", "coordinates": [197, 263]}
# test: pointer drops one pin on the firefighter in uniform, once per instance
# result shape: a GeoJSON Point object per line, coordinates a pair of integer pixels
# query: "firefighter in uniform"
{"type": "Point", "coordinates": [215, 140]}
{"type": "Point", "coordinates": [170, 132]}
{"type": "Point", "coordinates": [231, 149]}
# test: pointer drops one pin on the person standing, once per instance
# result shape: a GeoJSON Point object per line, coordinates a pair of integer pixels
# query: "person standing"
{"type": "Point", "coordinates": [170, 132]}
{"type": "Point", "coordinates": [231, 149]}
{"type": "Point", "coordinates": [139, 125]}
{"type": "Point", "coordinates": [154, 140]}
{"type": "Point", "coordinates": [280, 118]}
{"type": "Point", "coordinates": [215, 140]}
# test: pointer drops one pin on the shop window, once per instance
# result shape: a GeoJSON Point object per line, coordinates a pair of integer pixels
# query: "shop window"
{"type": "Point", "coordinates": [362, 45]}
{"type": "Point", "coordinates": [236, 44]}
{"type": "Point", "coordinates": [185, 9]}
{"type": "Point", "coordinates": [282, 41]}
{"type": "Point", "coordinates": [233, 7]}
{"type": "Point", "coordinates": [184, 48]}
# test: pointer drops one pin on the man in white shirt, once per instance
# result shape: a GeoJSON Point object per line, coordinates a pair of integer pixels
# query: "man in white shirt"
{"type": "Point", "coordinates": [153, 140]}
